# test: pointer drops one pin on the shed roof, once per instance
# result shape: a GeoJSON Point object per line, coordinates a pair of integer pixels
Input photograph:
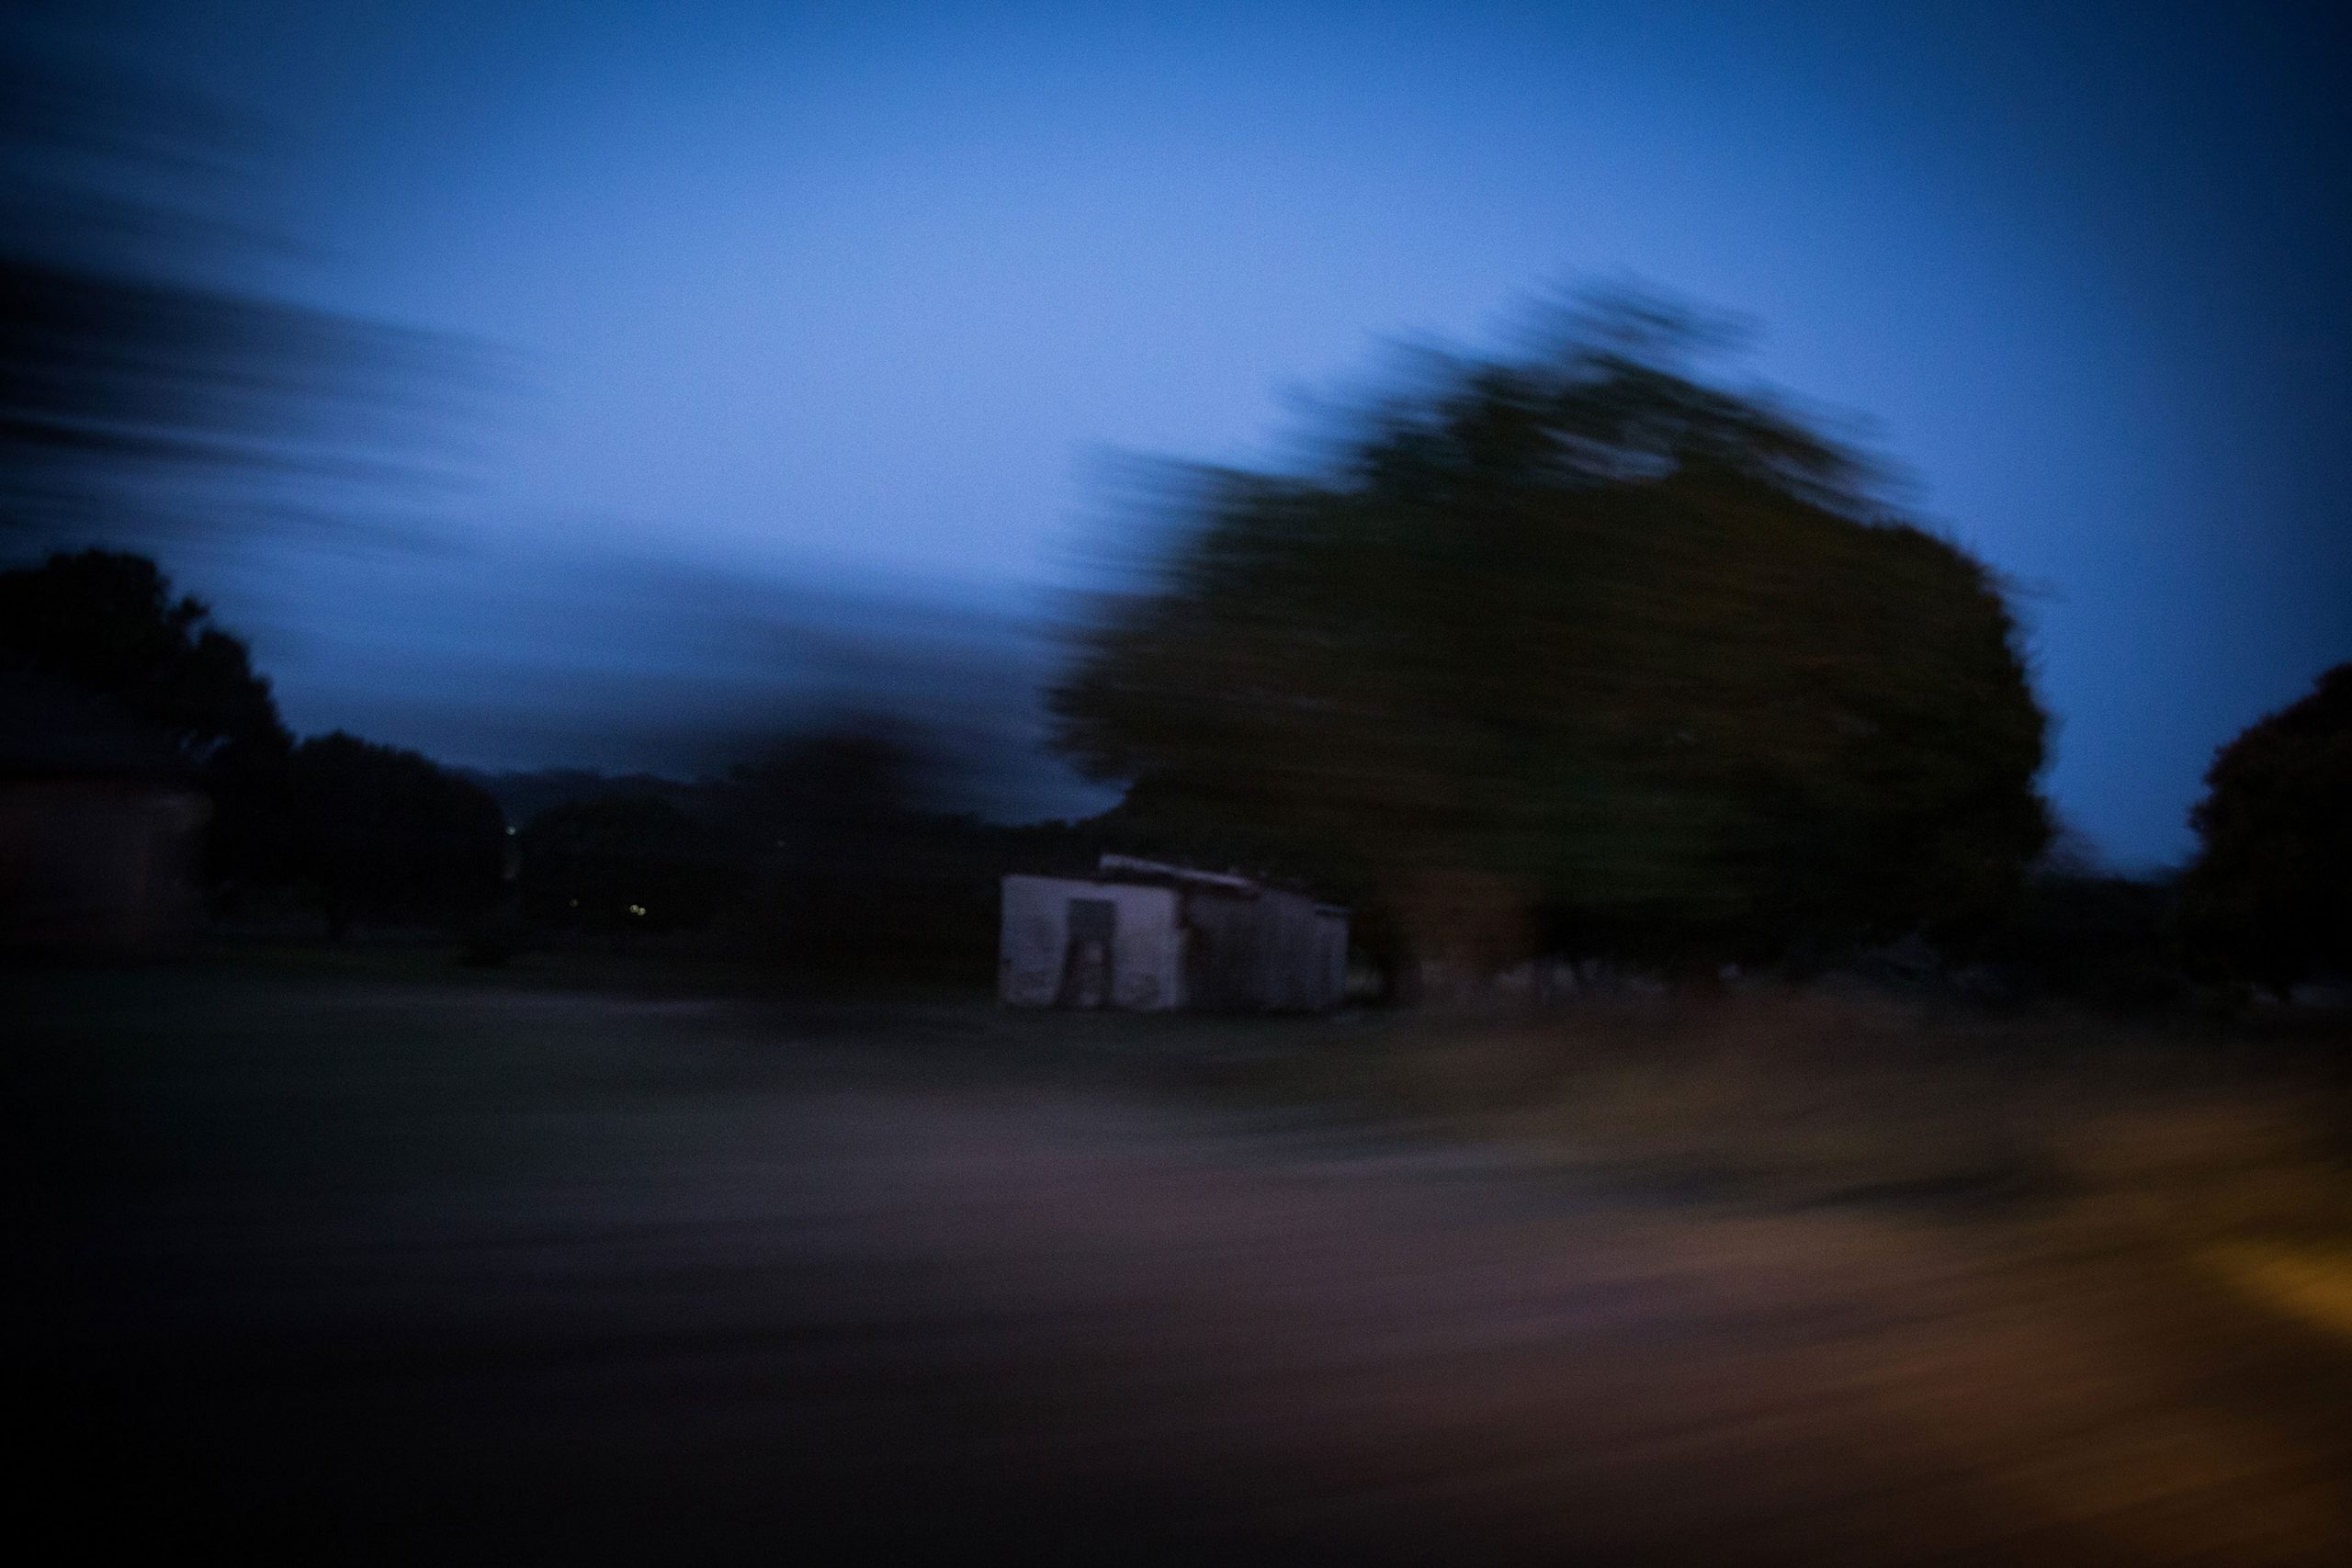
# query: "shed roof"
{"type": "Point", "coordinates": [1129, 868]}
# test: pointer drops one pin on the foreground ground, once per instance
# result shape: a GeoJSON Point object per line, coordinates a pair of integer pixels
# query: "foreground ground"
{"type": "Point", "coordinates": [459, 1269]}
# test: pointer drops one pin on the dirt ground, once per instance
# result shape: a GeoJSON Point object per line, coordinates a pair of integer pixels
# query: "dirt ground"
{"type": "Point", "coordinates": [360, 1271]}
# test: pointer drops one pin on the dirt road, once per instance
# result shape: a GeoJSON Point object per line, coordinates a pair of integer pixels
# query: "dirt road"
{"type": "Point", "coordinates": [696, 1302]}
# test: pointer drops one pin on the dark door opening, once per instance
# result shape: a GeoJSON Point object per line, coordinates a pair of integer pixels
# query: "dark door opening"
{"type": "Point", "coordinates": [1088, 954]}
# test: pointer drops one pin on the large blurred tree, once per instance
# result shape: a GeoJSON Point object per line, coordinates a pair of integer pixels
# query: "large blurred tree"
{"type": "Point", "coordinates": [1580, 642]}
{"type": "Point", "coordinates": [2269, 896]}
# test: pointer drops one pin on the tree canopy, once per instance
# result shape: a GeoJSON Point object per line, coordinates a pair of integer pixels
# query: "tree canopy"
{"type": "Point", "coordinates": [368, 832]}
{"type": "Point", "coordinates": [2269, 896]}
{"type": "Point", "coordinates": [1580, 639]}
{"type": "Point", "coordinates": [109, 621]}
{"type": "Point", "coordinates": [381, 833]}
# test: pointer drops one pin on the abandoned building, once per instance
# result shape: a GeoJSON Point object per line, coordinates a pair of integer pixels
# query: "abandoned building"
{"type": "Point", "coordinates": [1149, 937]}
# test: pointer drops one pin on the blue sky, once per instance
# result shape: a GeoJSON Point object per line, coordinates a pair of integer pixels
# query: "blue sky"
{"type": "Point", "coordinates": [856, 306]}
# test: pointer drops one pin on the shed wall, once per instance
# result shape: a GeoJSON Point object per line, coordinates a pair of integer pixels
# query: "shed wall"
{"type": "Point", "coordinates": [1274, 951]}
{"type": "Point", "coordinates": [1204, 947]}
{"type": "Point", "coordinates": [1147, 950]}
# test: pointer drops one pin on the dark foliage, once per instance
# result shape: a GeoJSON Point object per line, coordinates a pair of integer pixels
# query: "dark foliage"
{"type": "Point", "coordinates": [2091, 935]}
{"type": "Point", "coordinates": [625, 863]}
{"type": "Point", "coordinates": [1579, 651]}
{"type": "Point", "coordinates": [380, 834]}
{"type": "Point", "coordinates": [848, 872]}
{"type": "Point", "coordinates": [2269, 896]}
{"type": "Point", "coordinates": [108, 622]}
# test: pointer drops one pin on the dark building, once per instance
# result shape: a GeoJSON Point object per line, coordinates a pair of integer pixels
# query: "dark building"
{"type": "Point", "coordinates": [101, 822]}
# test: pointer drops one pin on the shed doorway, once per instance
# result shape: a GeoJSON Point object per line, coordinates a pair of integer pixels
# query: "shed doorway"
{"type": "Point", "coordinates": [1089, 953]}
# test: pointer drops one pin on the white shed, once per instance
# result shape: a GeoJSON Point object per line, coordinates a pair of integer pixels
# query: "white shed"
{"type": "Point", "coordinates": [1149, 937]}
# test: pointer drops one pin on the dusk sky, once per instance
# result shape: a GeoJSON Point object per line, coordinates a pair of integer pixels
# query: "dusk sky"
{"type": "Point", "coordinates": [851, 310]}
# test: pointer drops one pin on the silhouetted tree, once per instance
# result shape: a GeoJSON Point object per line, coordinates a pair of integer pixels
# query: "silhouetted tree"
{"type": "Point", "coordinates": [379, 833]}
{"type": "Point", "coordinates": [622, 862]}
{"type": "Point", "coordinates": [2269, 896]}
{"type": "Point", "coordinates": [2096, 935]}
{"type": "Point", "coordinates": [1578, 642]}
{"type": "Point", "coordinates": [109, 622]}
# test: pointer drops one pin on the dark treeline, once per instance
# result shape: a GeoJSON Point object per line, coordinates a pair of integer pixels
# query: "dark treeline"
{"type": "Point", "coordinates": [818, 851]}
{"type": "Point", "coordinates": [822, 852]}
{"type": "Point", "coordinates": [353, 832]}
